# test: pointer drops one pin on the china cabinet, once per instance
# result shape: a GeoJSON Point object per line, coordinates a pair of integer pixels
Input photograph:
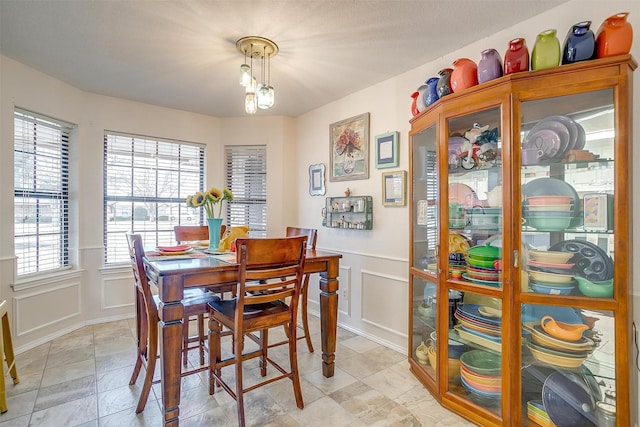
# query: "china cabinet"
{"type": "Point", "coordinates": [520, 247]}
{"type": "Point", "coordinates": [353, 212]}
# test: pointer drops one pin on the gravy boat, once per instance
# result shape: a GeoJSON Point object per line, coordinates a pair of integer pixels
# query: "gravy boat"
{"type": "Point", "coordinates": [561, 330]}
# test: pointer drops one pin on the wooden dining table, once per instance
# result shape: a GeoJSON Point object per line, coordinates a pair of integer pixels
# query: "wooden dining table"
{"type": "Point", "coordinates": [173, 274]}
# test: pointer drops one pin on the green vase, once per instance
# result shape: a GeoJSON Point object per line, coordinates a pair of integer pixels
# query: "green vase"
{"type": "Point", "coordinates": [546, 51]}
{"type": "Point", "coordinates": [214, 233]}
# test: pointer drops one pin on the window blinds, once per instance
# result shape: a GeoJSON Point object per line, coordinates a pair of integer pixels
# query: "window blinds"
{"type": "Point", "coordinates": [41, 192]}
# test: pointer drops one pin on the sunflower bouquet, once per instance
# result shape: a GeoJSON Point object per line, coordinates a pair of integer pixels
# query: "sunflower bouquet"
{"type": "Point", "coordinates": [209, 199]}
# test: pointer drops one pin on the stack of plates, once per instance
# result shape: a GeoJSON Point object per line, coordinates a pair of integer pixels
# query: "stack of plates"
{"type": "Point", "coordinates": [555, 136]}
{"type": "Point", "coordinates": [481, 376]}
{"type": "Point", "coordinates": [174, 250]}
{"type": "Point", "coordinates": [472, 321]}
{"type": "Point", "coordinates": [550, 204]}
{"type": "Point", "coordinates": [481, 265]}
{"type": "Point", "coordinates": [555, 351]}
{"type": "Point", "coordinates": [537, 413]}
{"type": "Point", "coordinates": [555, 282]}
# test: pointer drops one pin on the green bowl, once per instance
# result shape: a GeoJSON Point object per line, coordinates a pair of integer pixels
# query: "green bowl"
{"type": "Point", "coordinates": [595, 289]}
{"type": "Point", "coordinates": [482, 362]}
{"type": "Point", "coordinates": [549, 222]}
{"type": "Point", "coordinates": [484, 252]}
{"type": "Point", "coordinates": [484, 263]}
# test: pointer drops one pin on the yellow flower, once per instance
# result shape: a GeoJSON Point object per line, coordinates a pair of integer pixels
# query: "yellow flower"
{"type": "Point", "coordinates": [209, 199]}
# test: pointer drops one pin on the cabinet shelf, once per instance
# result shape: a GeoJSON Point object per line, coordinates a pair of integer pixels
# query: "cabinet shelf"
{"type": "Point", "coordinates": [592, 170]}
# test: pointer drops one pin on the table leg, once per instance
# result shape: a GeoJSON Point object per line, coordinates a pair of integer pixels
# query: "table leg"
{"type": "Point", "coordinates": [170, 313]}
{"type": "Point", "coordinates": [329, 317]}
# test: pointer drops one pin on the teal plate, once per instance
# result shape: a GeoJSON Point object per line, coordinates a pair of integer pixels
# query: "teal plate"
{"type": "Point", "coordinates": [482, 282]}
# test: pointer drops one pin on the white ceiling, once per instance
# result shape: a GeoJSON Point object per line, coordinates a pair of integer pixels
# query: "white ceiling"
{"type": "Point", "coordinates": [182, 54]}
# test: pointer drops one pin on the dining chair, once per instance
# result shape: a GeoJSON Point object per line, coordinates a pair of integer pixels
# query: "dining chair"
{"type": "Point", "coordinates": [270, 274]}
{"type": "Point", "coordinates": [195, 304]}
{"type": "Point", "coordinates": [194, 233]}
{"type": "Point", "coordinates": [312, 237]}
{"type": "Point", "coordinates": [187, 234]}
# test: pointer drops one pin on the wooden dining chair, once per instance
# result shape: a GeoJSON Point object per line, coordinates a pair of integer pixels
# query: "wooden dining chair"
{"type": "Point", "coordinates": [187, 234]}
{"type": "Point", "coordinates": [312, 237]}
{"type": "Point", "coordinates": [270, 274]}
{"type": "Point", "coordinates": [194, 233]}
{"type": "Point", "coordinates": [195, 303]}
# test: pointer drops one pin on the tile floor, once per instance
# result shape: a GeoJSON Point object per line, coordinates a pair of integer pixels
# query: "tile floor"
{"type": "Point", "coordinates": [82, 379]}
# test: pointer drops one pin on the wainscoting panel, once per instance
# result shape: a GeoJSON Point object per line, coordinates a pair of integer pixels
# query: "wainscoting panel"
{"type": "Point", "coordinates": [39, 311]}
{"type": "Point", "coordinates": [117, 291]}
{"type": "Point", "coordinates": [384, 302]}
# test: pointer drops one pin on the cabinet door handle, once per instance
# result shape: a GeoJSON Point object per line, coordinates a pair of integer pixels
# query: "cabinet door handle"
{"type": "Point", "coordinates": [516, 257]}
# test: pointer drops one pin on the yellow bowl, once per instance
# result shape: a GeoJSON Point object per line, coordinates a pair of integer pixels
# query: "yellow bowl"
{"type": "Point", "coordinates": [483, 380]}
{"type": "Point", "coordinates": [553, 359]}
{"type": "Point", "coordinates": [454, 364]}
{"type": "Point", "coordinates": [541, 276]}
{"type": "Point", "coordinates": [551, 257]}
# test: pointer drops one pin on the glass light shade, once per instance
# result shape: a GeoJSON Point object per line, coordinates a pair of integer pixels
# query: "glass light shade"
{"type": "Point", "coordinates": [263, 97]}
{"type": "Point", "coordinates": [272, 96]}
{"type": "Point", "coordinates": [250, 103]}
{"type": "Point", "coordinates": [252, 86]}
{"type": "Point", "coordinates": [245, 75]}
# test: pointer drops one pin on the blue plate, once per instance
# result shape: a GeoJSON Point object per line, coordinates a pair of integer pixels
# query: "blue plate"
{"type": "Point", "coordinates": [493, 338]}
{"type": "Point", "coordinates": [471, 311]}
{"type": "Point", "coordinates": [551, 290]}
{"type": "Point", "coordinates": [479, 392]}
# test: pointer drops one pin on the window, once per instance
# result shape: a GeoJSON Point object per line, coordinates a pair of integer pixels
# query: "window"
{"type": "Point", "coordinates": [246, 167]}
{"type": "Point", "coordinates": [146, 181]}
{"type": "Point", "coordinates": [41, 192]}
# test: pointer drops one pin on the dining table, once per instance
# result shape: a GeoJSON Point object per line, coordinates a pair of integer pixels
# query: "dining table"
{"type": "Point", "coordinates": [173, 274]}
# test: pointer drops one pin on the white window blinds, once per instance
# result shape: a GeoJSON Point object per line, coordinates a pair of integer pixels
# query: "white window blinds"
{"type": "Point", "coordinates": [146, 182]}
{"type": "Point", "coordinates": [41, 192]}
{"type": "Point", "coordinates": [246, 169]}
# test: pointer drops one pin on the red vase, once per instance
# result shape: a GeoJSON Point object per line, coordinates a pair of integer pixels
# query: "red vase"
{"type": "Point", "coordinates": [516, 58]}
{"type": "Point", "coordinates": [614, 36]}
{"type": "Point", "coordinates": [414, 108]}
{"type": "Point", "coordinates": [464, 75]}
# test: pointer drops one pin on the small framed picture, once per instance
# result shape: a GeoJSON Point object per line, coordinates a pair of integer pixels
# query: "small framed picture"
{"type": "Point", "coordinates": [387, 150]}
{"type": "Point", "coordinates": [394, 188]}
{"type": "Point", "coordinates": [316, 180]}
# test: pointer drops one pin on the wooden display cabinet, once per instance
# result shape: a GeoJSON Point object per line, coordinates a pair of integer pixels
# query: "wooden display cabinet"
{"type": "Point", "coordinates": [497, 258]}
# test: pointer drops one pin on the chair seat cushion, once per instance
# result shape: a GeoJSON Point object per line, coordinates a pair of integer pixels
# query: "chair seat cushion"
{"type": "Point", "coordinates": [227, 308]}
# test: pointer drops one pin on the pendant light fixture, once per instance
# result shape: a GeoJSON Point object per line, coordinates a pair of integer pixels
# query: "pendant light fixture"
{"type": "Point", "coordinates": [260, 95]}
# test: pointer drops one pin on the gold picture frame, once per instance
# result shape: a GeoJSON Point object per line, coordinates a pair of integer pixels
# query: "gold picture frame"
{"type": "Point", "coordinates": [349, 149]}
{"type": "Point", "coordinates": [394, 188]}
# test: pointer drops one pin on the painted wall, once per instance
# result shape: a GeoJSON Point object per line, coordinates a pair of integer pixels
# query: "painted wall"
{"type": "Point", "coordinates": [373, 275]}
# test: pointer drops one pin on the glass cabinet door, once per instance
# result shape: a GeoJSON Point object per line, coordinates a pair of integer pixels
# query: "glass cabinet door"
{"type": "Point", "coordinates": [424, 200]}
{"type": "Point", "coordinates": [473, 343]}
{"type": "Point", "coordinates": [474, 191]}
{"type": "Point", "coordinates": [567, 174]}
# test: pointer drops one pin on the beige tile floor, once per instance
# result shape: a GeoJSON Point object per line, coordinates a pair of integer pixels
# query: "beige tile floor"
{"type": "Point", "coordinates": [82, 379]}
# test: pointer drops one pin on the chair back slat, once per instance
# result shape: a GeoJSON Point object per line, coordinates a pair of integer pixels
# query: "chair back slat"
{"type": "Point", "coordinates": [136, 253]}
{"type": "Point", "coordinates": [311, 233]}
{"type": "Point", "coordinates": [270, 269]}
{"type": "Point", "coordinates": [194, 233]}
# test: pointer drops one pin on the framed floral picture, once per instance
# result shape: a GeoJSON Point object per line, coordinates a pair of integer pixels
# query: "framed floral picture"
{"type": "Point", "coordinates": [349, 148]}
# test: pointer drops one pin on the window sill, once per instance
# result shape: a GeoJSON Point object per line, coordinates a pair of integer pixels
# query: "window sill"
{"type": "Point", "coordinates": [42, 279]}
